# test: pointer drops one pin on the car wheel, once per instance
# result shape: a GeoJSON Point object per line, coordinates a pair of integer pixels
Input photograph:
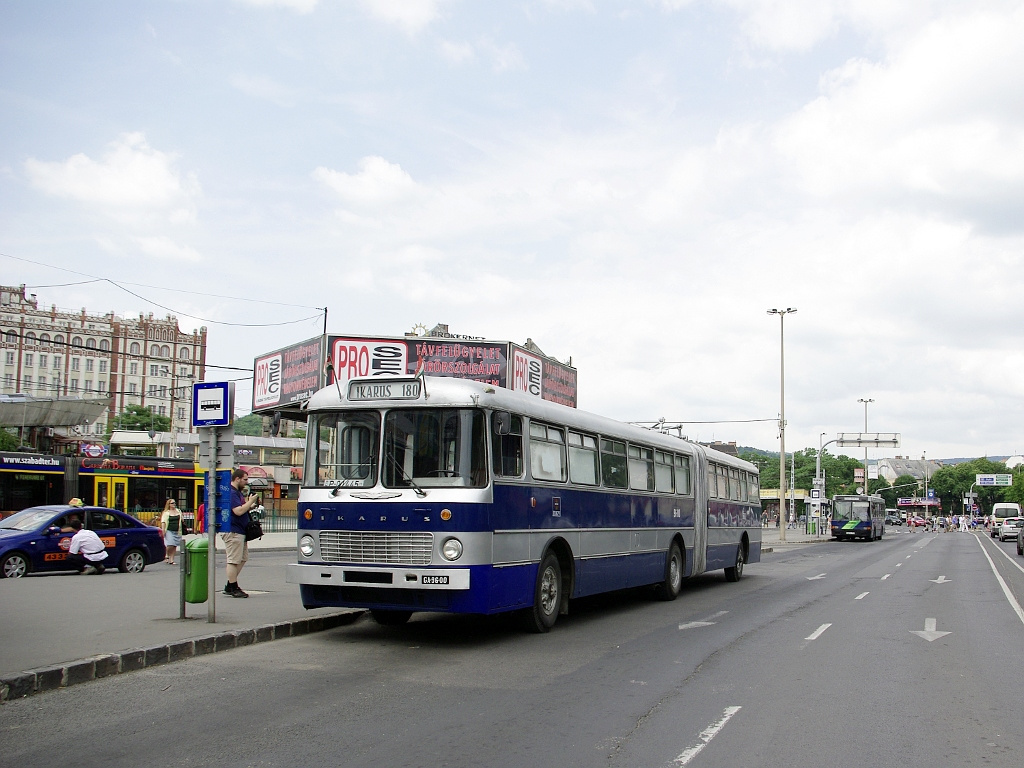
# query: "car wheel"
{"type": "Point", "coordinates": [547, 595]}
{"type": "Point", "coordinates": [134, 561]}
{"type": "Point", "coordinates": [669, 589]}
{"type": "Point", "coordinates": [14, 566]}
{"type": "Point", "coordinates": [391, 618]}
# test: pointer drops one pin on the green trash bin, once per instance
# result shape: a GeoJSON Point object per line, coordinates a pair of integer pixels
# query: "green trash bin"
{"type": "Point", "coordinates": [196, 575]}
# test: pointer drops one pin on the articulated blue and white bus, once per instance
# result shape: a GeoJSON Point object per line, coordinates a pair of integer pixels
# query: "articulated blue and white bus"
{"type": "Point", "coordinates": [443, 494]}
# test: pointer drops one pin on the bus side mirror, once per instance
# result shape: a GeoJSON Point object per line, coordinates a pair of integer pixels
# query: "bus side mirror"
{"type": "Point", "coordinates": [502, 422]}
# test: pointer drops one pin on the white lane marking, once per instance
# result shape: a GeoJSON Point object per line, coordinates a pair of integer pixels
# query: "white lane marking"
{"type": "Point", "coordinates": [813, 578]}
{"type": "Point", "coordinates": [1006, 590]}
{"type": "Point", "coordinates": [941, 580]}
{"type": "Point", "coordinates": [862, 595]}
{"type": "Point", "coordinates": [908, 557]}
{"type": "Point", "coordinates": [1004, 553]}
{"type": "Point", "coordinates": [706, 736]}
{"type": "Point", "coordinates": [898, 564]}
{"type": "Point", "coordinates": [704, 623]}
{"type": "Point", "coordinates": [886, 576]}
{"type": "Point", "coordinates": [929, 633]}
{"type": "Point", "coordinates": [818, 632]}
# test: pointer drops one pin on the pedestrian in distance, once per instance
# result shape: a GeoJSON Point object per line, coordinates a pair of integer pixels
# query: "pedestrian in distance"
{"type": "Point", "coordinates": [170, 524]}
{"type": "Point", "coordinates": [234, 539]}
{"type": "Point", "coordinates": [86, 553]}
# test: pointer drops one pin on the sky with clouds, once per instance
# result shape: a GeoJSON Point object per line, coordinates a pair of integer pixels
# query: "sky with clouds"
{"type": "Point", "coordinates": [630, 183]}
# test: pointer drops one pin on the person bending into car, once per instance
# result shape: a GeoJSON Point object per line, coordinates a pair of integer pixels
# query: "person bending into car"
{"type": "Point", "coordinates": [86, 553]}
{"type": "Point", "coordinates": [234, 539]}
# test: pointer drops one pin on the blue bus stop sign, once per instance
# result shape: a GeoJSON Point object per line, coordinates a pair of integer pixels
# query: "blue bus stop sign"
{"type": "Point", "coordinates": [213, 403]}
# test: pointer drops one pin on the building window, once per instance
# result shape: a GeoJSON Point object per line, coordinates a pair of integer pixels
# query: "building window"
{"type": "Point", "coordinates": [58, 339]}
{"type": "Point", "coordinates": [184, 353]}
{"type": "Point", "coordinates": [163, 391]}
{"type": "Point", "coordinates": [44, 338]}
{"type": "Point", "coordinates": [101, 386]}
{"type": "Point", "coordinates": [88, 364]}
{"type": "Point", "coordinates": [27, 382]}
{"type": "Point", "coordinates": [152, 370]}
{"type": "Point", "coordinates": [133, 369]}
{"type": "Point", "coordinates": [12, 337]}
{"type": "Point", "coordinates": [42, 361]}
{"type": "Point", "coordinates": [134, 348]}
{"type": "Point", "coordinates": [152, 390]}
{"type": "Point", "coordinates": [28, 359]}
{"type": "Point", "coordinates": [56, 363]}
{"type": "Point", "coordinates": [163, 410]}
{"type": "Point", "coordinates": [30, 338]}
{"type": "Point", "coordinates": [90, 343]}
{"type": "Point", "coordinates": [42, 382]}
{"type": "Point", "coordinates": [8, 380]}
{"type": "Point", "coordinates": [154, 350]}
{"type": "Point", "coordinates": [74, 385]}
{"type": "Point", "coordinates": [76, 363]}
{"type": "Point", "coordinates": [9, 358]}
{"type": "Point", "coordinates": [104, 345]}
{"type": "Point", "coordinates": [165, 351]}
{"type": "Point", "coordinates": [103, 366]}
{"type": "Point", "coordinates": [133, 388]}
{"type": "Point", "coordinates": [98, 429]}
{"type": "Point", "coordinates": [76, 341]}
{"type": "Point", "coordinates": [181, 414]}
{"type": "Point", "coordinates": [88, 385]}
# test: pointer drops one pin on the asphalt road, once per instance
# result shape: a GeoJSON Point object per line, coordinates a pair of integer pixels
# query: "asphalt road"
{"type": "Point", "coordinates": [831, 654]}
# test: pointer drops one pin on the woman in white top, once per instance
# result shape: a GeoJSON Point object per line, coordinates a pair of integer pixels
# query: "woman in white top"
{"type": "Point", "coordinates": [170, 524]}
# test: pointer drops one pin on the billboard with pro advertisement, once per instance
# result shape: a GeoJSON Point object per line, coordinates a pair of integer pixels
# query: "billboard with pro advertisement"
{"type": "Point", "coordinates": [288, 376]}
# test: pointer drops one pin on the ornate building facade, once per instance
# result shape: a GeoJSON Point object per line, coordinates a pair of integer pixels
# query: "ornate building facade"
{"type": "Point", "coordinates": [54, 353]}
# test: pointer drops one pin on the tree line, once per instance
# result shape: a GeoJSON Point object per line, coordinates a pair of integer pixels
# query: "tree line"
{"type": "Point", "coordinates": [950, 483]}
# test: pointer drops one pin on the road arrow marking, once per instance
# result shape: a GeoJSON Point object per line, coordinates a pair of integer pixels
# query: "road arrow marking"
{"type": "Point", "coordinates": [929, 633]}
{"type": "Point", "coordinates": [705, 623]}
{"type": "Point", "coordinates": [819, 576]}
{"type": "Point", "coordinates": [941, 580]}
{"type": "Point", "coordinates": [862, 595]}
{"type": "Point", "coordinates": [818, 632]}
{"type": "Point", "coordinates": [694, 624]}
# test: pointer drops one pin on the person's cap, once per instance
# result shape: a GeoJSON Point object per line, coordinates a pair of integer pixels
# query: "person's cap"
{"type": "Point", "coordinates": [76, 502]}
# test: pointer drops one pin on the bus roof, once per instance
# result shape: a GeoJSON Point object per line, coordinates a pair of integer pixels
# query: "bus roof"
{"type": "Point", "coordinates": [442, 392]}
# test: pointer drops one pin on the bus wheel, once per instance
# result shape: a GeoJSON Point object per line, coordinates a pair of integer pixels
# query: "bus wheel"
{"type": "Point", "coordinates": [669, 589]}
{"type": "Point", "coordinates": [736, 572]}
{"type": "Point", "coordinates": [547, 595]}
{"type": "Point", "coordinates": [390, 618]}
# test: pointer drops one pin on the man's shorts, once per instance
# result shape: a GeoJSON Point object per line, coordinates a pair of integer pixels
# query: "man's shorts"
{"type": "Point", "coordinates": [236, 547]}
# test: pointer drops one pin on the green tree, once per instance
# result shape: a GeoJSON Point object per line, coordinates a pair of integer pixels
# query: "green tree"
{"type": "Point", "coordinates": [952, 482]}
{"type": "Point", "coordinates": [8, 440]}
{"type": "Point", "coordinates": [251, 425]}
{"type": "Point", "coordinates": [140, 418]}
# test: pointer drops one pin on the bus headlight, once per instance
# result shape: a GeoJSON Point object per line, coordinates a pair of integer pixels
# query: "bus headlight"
{"type": "Point", "coordinates": [451, 549]}
{"type": "Point", "coordinates": [306, 546]}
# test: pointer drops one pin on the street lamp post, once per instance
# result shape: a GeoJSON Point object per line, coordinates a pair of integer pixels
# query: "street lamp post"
{"type": "Point", "coordinates": [865, 401]}
{"type": "Point", "coordinates": [782, 415]}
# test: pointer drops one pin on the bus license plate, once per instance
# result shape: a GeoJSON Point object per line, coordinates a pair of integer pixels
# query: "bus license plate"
{"type": "Point", "coordinates": [433, 579]}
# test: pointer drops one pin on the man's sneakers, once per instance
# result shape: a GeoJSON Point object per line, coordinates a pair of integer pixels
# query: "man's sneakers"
{"type": "Point", "coordinates": [233, 590]}
{"type": "Point", "coordinates": [88, 571]}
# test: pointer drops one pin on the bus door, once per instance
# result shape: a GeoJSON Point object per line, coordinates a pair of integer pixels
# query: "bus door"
{"type": "Point", "coordinates": [112, 492]}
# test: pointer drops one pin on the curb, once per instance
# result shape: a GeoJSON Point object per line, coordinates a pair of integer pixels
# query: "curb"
{"type": "Point", "coordinates": [33, 681]}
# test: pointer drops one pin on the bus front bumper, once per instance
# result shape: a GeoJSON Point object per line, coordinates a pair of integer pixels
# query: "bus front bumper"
{"type": "Point", "coordinates": [381, 578]}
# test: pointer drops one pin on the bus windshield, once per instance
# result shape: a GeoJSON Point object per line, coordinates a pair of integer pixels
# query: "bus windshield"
{"type": "Point", "coordinates": [850, 510]}
{"type": "Point", "coordinates": [434, 447]}
{"type": "Point", "coordinates": [350, 461]}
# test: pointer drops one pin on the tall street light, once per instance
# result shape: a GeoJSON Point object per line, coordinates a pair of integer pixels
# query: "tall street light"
{"type": "Point", "coordinates": [865, 401]}
{"type": "Point", "coordinates": [782, 415]}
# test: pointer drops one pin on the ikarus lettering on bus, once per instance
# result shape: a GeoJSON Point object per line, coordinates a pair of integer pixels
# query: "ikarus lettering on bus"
{"type": "Point", "coordinates": [384, 390]}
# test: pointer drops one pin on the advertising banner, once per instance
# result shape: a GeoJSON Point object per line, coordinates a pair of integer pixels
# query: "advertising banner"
{"type": "Point", "coordinates": [288, 375]}
{"type": "Point", "coordinates": [483, 361]}
{"type": "Point", "coordinates": [355, 358]}
{"type": "Point", "coordinates": [542, 377]}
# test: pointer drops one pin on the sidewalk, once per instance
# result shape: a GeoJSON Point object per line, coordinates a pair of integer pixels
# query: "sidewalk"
{"type": "Point", "coordinates": [771, 540]}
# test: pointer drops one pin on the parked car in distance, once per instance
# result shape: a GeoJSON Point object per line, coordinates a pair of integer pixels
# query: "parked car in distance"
{"type": "Point", "coordinates": [1009, 528]}
{"type": "Point", "coordinates": [1002, 510]}
{"type": "Point", "coordinates": [893, 520]}
{"type": "Point", "coordinates": [38, 538]}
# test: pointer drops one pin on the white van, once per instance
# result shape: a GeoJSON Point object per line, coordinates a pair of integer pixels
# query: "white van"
{"type": "Point", "coordinates": [1000, 511]}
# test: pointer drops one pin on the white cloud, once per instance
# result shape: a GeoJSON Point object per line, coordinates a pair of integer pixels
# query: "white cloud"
{"type": "Point", "coordinates": [410, 15]}
{"type": "Point", "coordinates": [130, 178]}
{"type": "Point", "coordinates": [299, 6]}
{"type": "Point", "coordinates": [502, 57]}
{"type": "Point", "coordinates": [166, 249]}
{"type": "Point", "coordinates": [378, 182]}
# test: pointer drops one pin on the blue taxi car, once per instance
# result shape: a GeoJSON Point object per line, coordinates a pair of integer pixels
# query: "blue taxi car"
{"type": "Point", "coordinates": [38, 538]}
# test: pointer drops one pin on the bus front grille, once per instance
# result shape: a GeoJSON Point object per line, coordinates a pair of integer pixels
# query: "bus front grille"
{"type": "Point", "coordinates": [383, 548]}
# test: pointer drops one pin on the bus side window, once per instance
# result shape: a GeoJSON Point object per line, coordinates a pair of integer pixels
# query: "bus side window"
{"type": "Point", "coordinates": [712, 481]}
{"type": "Point", "coordinates": [683, 474]}
{"type": "Point", "coordinates": [508, 448]}
{"type": "Point", "coordinates": [583, 459]}
{"type": "Point", "coordinates": [613, 464]}
{"type": "Point", "coordinates": [663, 472]}
{"type": "Point", "coordinates": [753, 485]}
{"type": "Point", "coordinates": [547, 453]}
{"type": "Point", "coordinates": [641, 468]}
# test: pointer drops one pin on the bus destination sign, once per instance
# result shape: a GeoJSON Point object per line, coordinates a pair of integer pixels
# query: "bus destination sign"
{"type": "Point", "coordinates": [385, 390]}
